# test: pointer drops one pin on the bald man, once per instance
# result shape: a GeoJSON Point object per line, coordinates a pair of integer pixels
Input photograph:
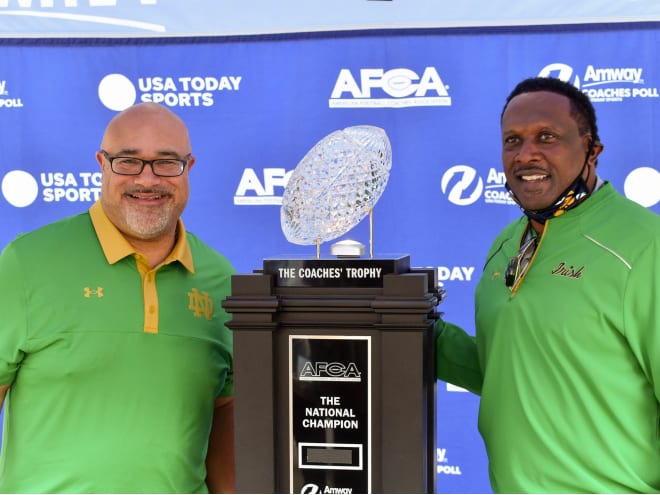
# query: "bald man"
{"type": "Point", "coordinates": [115, 362]}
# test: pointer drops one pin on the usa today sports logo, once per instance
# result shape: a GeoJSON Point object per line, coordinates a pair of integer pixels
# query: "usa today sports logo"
{"type": "Point", "coordinates": [21, 189]}
{"type": "Point", "coordinates": [117, 92]}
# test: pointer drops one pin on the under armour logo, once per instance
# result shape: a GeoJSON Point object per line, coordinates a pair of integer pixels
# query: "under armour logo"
{"type": "Point", "coordinates": [200, 304]}
{"type": "Point", "coordinates": [90, 292]}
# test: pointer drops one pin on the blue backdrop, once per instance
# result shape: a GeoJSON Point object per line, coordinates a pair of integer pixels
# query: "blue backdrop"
{"type": "Point", "coordinates": [256, 104]}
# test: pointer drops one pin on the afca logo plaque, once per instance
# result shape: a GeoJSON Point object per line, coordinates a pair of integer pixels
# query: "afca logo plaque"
{"type": "Point", "coordinates": [330, 414]}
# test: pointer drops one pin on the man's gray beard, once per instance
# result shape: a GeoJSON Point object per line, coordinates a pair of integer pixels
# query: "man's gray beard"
{"type": "Point", "coordinates": [148, 224]}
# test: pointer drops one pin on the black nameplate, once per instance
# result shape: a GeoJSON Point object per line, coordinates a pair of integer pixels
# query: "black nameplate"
{"type": "Point", "coordinates": [330, 414]}
{"type": "Point", "coordinates": [332, 272]}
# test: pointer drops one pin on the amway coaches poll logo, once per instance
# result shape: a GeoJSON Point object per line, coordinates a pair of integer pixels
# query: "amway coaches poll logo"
{"type": "Point", "coordinates": [604, 84]}
{"type": "Point", "coordinates": [394, 88]}
{"type": "Point", "coordinates": [6, 101]}
{"type": "Point", "coordinates": [463, 186]}
{"type": "Point", "coordinates": [117, 92]}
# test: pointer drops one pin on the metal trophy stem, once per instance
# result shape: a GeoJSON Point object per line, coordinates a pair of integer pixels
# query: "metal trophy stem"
{"type": "Point", "coordinates": [371, 233]}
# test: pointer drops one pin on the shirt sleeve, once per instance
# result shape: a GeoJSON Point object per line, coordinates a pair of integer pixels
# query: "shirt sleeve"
{"type": "Point", "coordinates": [13, 319]}
{"type": "Point", "coordinates": [457, 358]}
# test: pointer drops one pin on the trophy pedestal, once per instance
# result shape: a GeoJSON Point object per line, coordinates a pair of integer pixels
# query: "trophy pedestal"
{"type": "Point", "coordinates": [334, 376]}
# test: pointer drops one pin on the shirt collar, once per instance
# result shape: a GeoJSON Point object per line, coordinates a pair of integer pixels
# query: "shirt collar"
{"type": "Point", "coordinates": [116, 247]}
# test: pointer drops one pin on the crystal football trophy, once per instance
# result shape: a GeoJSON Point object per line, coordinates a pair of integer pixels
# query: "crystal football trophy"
{"type": "Point", "coordinates": [336, 185]}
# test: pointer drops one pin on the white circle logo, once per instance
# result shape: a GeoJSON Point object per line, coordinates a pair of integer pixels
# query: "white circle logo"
{"type": "Point", "coordinates": [643, 186]}
{"type": "Point", "coordinates": [19, 188]}
{"type": "Point", "coordinates": [560, 71]}
{"type": "Point", "coordinates": [117, 92]}
{"type": "Point", "coordinates": [467, 187]}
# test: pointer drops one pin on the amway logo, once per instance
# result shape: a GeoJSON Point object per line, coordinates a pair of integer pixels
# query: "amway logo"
{"type": "Point", "coordinates": [612, 75]}
{"type": "Point", "coordinates": [462, 185]}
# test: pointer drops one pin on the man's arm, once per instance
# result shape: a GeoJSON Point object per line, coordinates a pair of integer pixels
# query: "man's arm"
{"type": "Point", "coordinates": [3, 392]}
{"type": "Point", "coordinates": [457, 358]}
{"type": "Point", "coordinates": [220, 456]}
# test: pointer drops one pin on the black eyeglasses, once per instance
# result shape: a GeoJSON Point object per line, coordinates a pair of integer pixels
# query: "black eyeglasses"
{"type": "Point", "coordinates": [519, 263]}
{"type": "Point", "coordinates": [162, 167]}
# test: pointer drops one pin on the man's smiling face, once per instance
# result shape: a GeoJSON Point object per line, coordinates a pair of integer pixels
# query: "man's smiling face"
{"type": "Point", "coordinates": [543, 149]}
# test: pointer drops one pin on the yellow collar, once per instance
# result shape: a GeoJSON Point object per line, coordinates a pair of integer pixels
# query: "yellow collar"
{"type": "Point", "coordinates": [116, 247]}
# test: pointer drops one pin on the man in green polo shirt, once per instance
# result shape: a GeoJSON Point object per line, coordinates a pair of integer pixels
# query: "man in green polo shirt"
{"type": "Point", "coordinates": [115, 363]}
{"type": "Point", "coordinates": [566, 356]}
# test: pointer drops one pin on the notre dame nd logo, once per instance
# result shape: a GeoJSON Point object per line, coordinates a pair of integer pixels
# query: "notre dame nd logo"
{"type": "Point", "coordinates": [200, 304]}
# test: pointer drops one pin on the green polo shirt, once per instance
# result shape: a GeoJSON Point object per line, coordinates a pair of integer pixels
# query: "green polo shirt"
{"type": "Point", "coordinates": [114, 367]}
{"type": "Point", "coordinates": [568, 362]}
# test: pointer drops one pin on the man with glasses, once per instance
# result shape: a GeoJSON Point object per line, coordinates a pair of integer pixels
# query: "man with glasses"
{"type": "Point", "coordinates": [114, 357]}
{"type": "Point", "coordinates": [566, 356]}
